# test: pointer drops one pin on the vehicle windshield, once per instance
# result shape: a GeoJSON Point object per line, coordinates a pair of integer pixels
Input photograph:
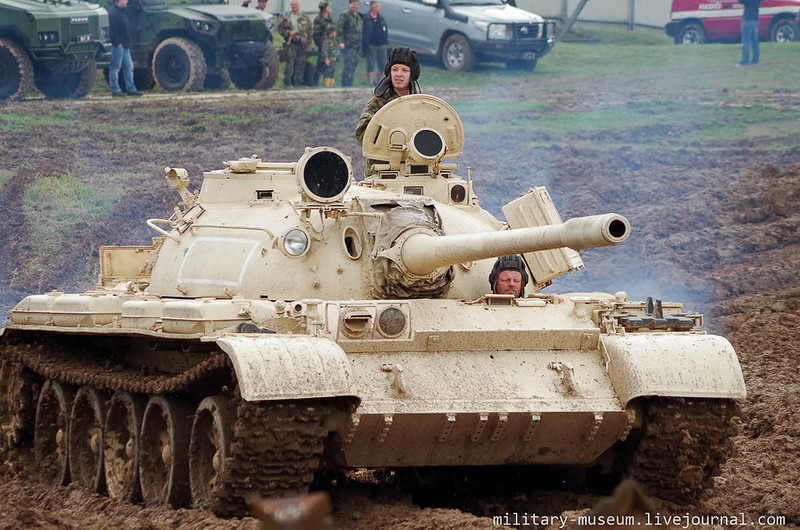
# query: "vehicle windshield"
{"type": "Point", "coordinates": [476, 2]}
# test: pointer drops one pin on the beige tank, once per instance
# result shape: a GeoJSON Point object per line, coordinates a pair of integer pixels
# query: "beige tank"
{"type": "Point", "coordinates": [288, 318]}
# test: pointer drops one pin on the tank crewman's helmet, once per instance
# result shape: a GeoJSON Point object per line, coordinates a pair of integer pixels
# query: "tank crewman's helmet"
{"type": "Point", "coordinates": [406, 56]}
{"type": "Point", "coordinates": [323, 5]}
{"type": "Point", "coordinates": [509, 263]}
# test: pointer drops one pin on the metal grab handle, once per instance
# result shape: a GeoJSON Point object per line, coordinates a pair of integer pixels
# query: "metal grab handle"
{"type": "Point", "coordinates": [152, 224]}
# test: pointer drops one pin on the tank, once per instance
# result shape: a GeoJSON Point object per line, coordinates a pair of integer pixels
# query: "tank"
{"type": "Point", "coordinates": [288, 319]}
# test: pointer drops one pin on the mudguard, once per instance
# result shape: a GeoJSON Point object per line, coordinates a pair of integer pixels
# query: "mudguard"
{"type": "Point", "coordinates": [273, 367]}
{"type": "Point", "coordinates": [673, 365]}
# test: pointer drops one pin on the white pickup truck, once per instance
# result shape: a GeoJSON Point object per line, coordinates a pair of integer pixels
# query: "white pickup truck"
{"type": "Point", "coordinates": [461, 32]}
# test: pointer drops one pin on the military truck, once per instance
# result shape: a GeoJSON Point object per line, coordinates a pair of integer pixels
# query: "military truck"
{"type": "Point", "coordinates": [185, 45]}
{"type": "Point", "coordinates": [287, 318]}
{"type": "Point", "coordinates": [50, 44]}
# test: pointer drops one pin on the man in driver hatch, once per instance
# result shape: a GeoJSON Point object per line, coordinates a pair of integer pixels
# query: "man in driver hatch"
{"type": "Point", "coordinates": [508, 276]}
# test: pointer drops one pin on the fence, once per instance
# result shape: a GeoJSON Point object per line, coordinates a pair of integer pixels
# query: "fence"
{"type": "Point", "coordinates": [646, 16]}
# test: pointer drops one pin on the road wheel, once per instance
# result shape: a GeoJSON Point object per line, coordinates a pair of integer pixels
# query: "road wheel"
{"type": "Point", "coordinates": [783, 30]}
{"type": "Point", "coordinates": [86, 439]}
{"type": "Point", "coordinates": [691, 33]}
{"type": "Point", "coordinates": [16, 71]}
{"type": "Point", "coordinates": [164, 452]}
{"type": "Point", "coordinates": [457, 53]}
{"type": "Point", "coordinates": [522, 64]}
{"type": "Point", "coordinates": [121, 446]}
{"type": "Point", "coordinates": [212, 433]}
{"type": "Point", "coordinates": [179, 65]}
{"type": "Point", "coordinates": [74, 85]}
{"type": "Point", "coordinates": [218, 81]}
{"type": "Point", "coordinates": [259, 77]}
{"type": "Point", "coordinates": [50, 445]}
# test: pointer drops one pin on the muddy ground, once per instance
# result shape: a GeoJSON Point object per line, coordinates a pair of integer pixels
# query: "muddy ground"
{"type": "Point", "coordinates": [716, 226]}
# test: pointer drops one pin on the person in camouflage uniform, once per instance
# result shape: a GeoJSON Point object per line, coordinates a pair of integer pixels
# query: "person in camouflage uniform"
{"type": "Point", "coordinates": [327, 46]}
{"type": "Point", "coordinates": [400, 79]}
{"type": "Point", "coordinates": [295, 28]}
{"type": "Point", "coordinates": [349, 29]}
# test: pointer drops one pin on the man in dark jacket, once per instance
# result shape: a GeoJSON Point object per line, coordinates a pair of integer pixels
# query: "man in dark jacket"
{"type": "Point", "coordinates": [375, 39]}
{"type": "Point", "coordinates": [119, 29]}
{"type": "Point", "coordinates": [750, 31]}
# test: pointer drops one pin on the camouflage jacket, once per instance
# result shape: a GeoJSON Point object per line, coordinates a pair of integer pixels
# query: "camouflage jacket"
{"type": "Point", "coordinates": [303, 29]}
{"type": "Point", "coordinates": [374, 105]}
{"type": "Point", "coordinates": [348, 29]}
{"type": "Point", "coordinates": [327, 45]}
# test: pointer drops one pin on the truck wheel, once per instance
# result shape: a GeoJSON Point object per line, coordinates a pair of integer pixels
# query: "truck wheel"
{"type": "Point", "coordinates": [258, 77]}
{"type": "Point", "coordinates": [691, 33]}
{"type": "Point", "coordinates": [16, 71]}
{"type": "Point", "coordinates": [783, 30]}
{"type": "Point", "coordinates": [217, 81]}
{"type": "Point", "coordinates": [521, 64]}
{"type": "Point", "coordinates": [74, 85]}
{"type": "Point", "coordinates": [457, 53]}
{"type": "Point", "coordinates": [179, 65]}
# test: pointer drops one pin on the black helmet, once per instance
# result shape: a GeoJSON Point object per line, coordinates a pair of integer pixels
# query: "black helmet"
{"type": "Point", "coordinates": [509, 263]}
{"type": "Point", "coordinates": [406, 56]}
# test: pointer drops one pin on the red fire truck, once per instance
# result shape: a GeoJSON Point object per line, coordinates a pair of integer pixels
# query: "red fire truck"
{"type": "Point", "coordinates": [699, 21]}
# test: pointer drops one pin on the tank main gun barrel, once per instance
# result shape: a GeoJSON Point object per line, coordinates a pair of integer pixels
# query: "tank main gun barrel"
{"type": "Point", "coordinates": [422, 254]}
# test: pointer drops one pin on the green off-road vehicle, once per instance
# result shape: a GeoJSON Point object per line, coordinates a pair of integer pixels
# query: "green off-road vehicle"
{"type": "Point", "coordinates": [190, 44]}
{"type": "Point", "coordinates": [51, 44]}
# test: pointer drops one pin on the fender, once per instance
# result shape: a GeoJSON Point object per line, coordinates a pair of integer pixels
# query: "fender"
{"type": "Point", "coordinates": [673, 365]}
{"type": "Point", "coordinates": [274, 367]}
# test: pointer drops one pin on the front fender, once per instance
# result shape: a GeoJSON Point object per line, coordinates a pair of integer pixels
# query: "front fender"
{"type": "Point", "coordinates": [273, 367]}
{"type": "Point", "coordinates": [673, 365]}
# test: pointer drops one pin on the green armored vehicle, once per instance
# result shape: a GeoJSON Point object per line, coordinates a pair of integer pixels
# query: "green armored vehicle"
{"type": "Point", "coordinates": [184, 45]}
{"type": "Point", "coordinates": [51, 44]}
{"type": "Point", "coordinates": [288, 318]}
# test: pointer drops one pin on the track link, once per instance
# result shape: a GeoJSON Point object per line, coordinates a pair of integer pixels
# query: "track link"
{"type": "Point", "coordinates": [275, 451]}
{"type": "Point", "coordinates": [682, 445]}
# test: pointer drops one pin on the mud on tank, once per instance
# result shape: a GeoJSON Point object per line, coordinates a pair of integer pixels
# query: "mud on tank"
{"type": "Point", "coordinates": [287, 318]}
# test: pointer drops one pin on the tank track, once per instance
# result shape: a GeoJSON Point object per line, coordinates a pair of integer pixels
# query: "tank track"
{"type": "Point", "coordinates": [275, 451]}
{"type": "Point", "coordinates": [276, 447]}
{"type": "Point", "coordinates": [53, 361]}
{"type": "Point", "coordinates": [682, 445]}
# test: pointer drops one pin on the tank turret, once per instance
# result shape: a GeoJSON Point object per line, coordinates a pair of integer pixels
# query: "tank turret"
{"type": "Point", "coordinates": [307, 229]}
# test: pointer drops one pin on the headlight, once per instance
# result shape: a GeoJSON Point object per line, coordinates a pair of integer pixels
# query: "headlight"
{"type": "Point", "coordinates": [104, 34]}
{"type": "Point", "coordinates": [202, 26]}
{"type": "Point", "coordinates": [500, 32]}
{"type": "Point", "coordinates": [48, 37]}
{"type": "Point", "coordinates": [295, 243]}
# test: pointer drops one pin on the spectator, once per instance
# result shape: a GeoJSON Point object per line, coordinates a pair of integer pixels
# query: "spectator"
{"type": "Point", "coordinates": [119, 29]}
{"type": "Point", "coordinates": [295, 28]}
{"type": "Point", "coordinates": [749, 32]}
{"type": "Point", "coordinates": [375, 40]}
{"type": "Point", "coordinates": [349, 29]}
{"type": "Point", "coordinates": [325, 40]}
{"type": "Point", "coordinates": [400, 79]}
